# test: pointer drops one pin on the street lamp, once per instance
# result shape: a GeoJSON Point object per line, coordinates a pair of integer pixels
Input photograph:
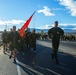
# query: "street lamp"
{"type": "Point", "coordinates": [6, 26]}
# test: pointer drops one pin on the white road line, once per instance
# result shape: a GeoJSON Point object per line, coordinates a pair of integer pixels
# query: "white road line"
{"type": "Point", "coordinates": [31, 69]}
{"type": "Point", "coordinates": [49, 70]}
{"type": "Point", "coordinates": [53, 72]}
{"type": "Point", "coordinates": [18, 67]}
{"type": "Point", "coordinates": [19, 71]}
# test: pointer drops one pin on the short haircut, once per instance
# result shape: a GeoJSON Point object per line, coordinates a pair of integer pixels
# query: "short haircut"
{"type": "Point", "coordinates": [56, 22]}
{"type": "Point", "coordinates": [14, 26]}
{"type": "Point", "coordinates": [34, 30]}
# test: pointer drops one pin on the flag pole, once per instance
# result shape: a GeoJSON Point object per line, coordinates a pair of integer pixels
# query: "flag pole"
{"type": "Point", "coordinates": [26, 24]}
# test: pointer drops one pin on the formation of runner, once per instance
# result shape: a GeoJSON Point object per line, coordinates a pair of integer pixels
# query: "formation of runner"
{"type": "Point", "coordinates": [13, 41]}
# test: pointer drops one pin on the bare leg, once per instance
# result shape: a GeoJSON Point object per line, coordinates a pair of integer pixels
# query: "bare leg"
{"type": "Point", "coordinates": [4, 48]}
{"type": "Point", "coordinates": [14, 53]}
{"type": "Point", "coordinates": [11, 54]}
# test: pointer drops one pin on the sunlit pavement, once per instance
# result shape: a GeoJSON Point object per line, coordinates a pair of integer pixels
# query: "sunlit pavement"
{"type": "Point", "coordinates": [39, 62]}
{"type": "Point", "coordinates": [7, 66]}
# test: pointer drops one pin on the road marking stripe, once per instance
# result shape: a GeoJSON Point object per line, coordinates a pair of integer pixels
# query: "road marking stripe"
{"type": "Point", "coordinates": [31, 69]}
{"type": "Point", "coordinates": [35, 71]}
{"type": "Point", "coordinates": [53, 72]}
{"type": "Point", "coordinates": [18, 67]}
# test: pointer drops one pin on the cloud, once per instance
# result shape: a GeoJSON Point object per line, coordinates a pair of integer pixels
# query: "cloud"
{"type": "Point", "coordinates": [68, 26]}
{"type": "Point", "coordinates": [57, 9]}
{"type": "Point", "coordinates": [74, 28]}
{"type": "Point", "coordinates": [70, 5]}
{"type": "Point", "coordinates": [65, 24]}
{"type": "Point", "coordinates": [61, 25]}
{"type": "Point", "coordinates": [11, 22]}
{"type": "Point", "coordinates": [1, 29]}
{"type": "Point", "coordinates": [46, 11]}
{"type": "Point", "coordinates": [44, 26]}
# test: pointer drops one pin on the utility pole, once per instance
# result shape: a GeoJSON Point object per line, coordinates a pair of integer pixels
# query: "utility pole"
{"type": "Point", "coordinates": [6, 26]}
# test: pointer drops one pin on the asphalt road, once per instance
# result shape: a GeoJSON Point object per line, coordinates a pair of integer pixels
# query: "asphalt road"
{"type": "Point", "coordinates": [40, 62]}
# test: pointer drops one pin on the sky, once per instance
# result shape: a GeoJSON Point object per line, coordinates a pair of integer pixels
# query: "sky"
{"type": "Point", "coordinates": [17, 12]}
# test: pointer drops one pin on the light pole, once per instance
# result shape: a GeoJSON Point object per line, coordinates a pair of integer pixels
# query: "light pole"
{"type": "Point", "coordinates": [6, 26]}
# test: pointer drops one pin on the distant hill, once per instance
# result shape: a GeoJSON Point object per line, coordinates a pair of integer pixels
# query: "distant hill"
{"type": "Point", "coordinates": [46, 30]}
{"type": "Point", "coordinates": [39, 30]}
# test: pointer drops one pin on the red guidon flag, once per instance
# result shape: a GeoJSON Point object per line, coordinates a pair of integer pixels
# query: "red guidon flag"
{"type": "Point", "coordinates": [25, 26]}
